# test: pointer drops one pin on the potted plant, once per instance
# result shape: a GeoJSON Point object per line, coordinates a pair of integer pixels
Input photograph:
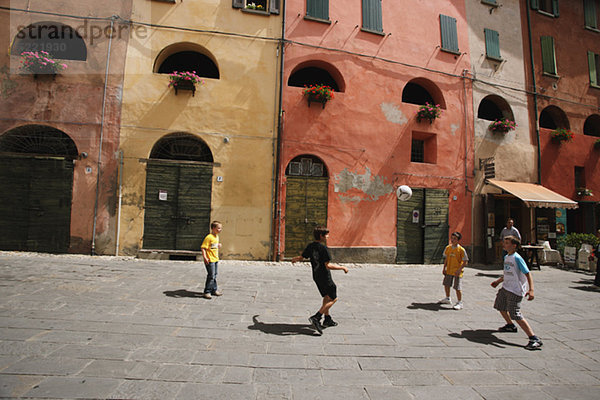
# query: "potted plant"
{"type": "Point", "coordinates": [185, 80]}
{"type": "Point", "coordinates": [503, 125]}
{"type": "Point", "coordinates": [254, 6]}
{"type": "Point", "coordinates": [560, 135]}
{"type": "Point", "coordinates": [318, 93]}
{"type": "Point", "coordinates": [429, 112]}
{"type": "Point", "coordinates": [41, 63]}
{"type": "Point", "coordinates": [584, 192]}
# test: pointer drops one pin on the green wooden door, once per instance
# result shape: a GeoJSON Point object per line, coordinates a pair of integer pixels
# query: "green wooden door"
{"type": "Point", "coordinates": [35, 203]}
{"type": "Point", "coordinates": [409, 238]}
{"type": "Point", "coordinates": [177, 205]}
{"type": "Point", "coordinates": [306, 207]}
{"type": "Point", "coordinates": [422, 227]}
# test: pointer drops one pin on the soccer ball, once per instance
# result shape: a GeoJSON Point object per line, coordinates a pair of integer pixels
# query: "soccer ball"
{"type": "Point", "coordinates": [404, 193]}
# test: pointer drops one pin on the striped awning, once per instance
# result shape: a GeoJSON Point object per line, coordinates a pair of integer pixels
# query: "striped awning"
{"type": "Point", "coordinates": [534, 195]}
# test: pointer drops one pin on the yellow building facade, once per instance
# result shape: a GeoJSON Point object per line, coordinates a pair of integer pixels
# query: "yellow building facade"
{"type": "Point", "coordinates": [189, 157]}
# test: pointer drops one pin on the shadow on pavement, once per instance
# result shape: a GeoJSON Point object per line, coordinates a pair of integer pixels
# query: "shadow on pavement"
{"type": "Point", "coordinates": [428, 306]}
{"type": "Point", "coordinates": [483, 336]}
{"type": "Point", "coordinates": [182, 293]}
{"type": "Point", "coordinates": [282, 329]}
{"type": "Point", "coordinates": [587, 285]}
{"type": "Point", "coordinates": [489, 275]}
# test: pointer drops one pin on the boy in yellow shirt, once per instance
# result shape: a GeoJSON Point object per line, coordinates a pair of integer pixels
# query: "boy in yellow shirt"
{"type": "Point", "coordinates": [210, 253]}
{"type": "Point", "coordinates": [455, 259]}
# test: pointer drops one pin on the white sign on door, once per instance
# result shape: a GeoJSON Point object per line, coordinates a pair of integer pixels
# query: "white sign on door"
{"type": "Point", "coordinates": [415, 216]}
{"type": "Point", "coordinates": [162, 195]}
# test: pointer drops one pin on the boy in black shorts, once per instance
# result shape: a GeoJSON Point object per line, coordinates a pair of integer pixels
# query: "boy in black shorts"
{"type": "Point", "coordinates": [319, 256]}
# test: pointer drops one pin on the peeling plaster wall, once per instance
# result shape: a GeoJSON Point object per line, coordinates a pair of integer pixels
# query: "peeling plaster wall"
{"type": "Point", "coordinates": [240, 107]}
{"type": "Point", "coordinates": [369, 187]}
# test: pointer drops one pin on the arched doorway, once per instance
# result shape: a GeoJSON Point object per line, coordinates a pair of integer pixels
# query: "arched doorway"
{"type": "Point", "coordinates": [305, 201]}
{"type": "Point", "coordinates": [36, 171]}
{"type": "Point", "coordinates": [178, 193]}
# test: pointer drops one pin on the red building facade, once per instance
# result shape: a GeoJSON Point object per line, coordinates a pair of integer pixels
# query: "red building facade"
{"type": "Point", "coordinates": [341, 161]}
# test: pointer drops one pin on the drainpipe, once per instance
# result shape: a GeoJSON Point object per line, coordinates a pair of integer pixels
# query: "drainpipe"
{"type": "Point", "coordinates": [98, 166]}
{"type": "Point", "coordinates": [279, 144]}
{"type": "Point", "coordinates": [466, 122]}
{"type": "Point", "coordinates": [535, 100]}
{"type": "Point", "coordinates": [120, 202]}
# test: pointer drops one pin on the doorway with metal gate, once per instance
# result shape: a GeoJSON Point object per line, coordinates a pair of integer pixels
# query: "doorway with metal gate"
{"type": "Point", "coordinates": [178, 193]}
{"type": "Point", "coordinates": [422, 227]}
{"type": "Point", "coordinates": [36, 171]}
{"type": "Point", "coordinates": [305, 201]}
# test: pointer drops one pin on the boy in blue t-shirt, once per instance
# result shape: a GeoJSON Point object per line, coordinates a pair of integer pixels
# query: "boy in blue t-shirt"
{"type": "Point", "coordinates": [516, 283]}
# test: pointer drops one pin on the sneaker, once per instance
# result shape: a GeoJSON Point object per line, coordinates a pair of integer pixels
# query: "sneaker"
{"type": "Point", "coordinates": [458, 305]}
{"type": "Point", "coordinates": [534, 345]}
{"type": "Point", "coordinates": [329, 322]}
{"type": "Point", "coordinates": [217, 293]}
{"type": "Point", "coordinates": [316, 323]}
{"type": "Point", "coordinates": [207, 296]}
{"type": "Point", "coordinates": [445, 300]}
{"type": "Point", "coordinates": [508, 328]}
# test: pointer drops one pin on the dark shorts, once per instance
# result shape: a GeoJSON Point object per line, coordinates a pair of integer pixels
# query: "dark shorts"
{"type": "Point", "coordinates": [327, 289]}
{"type": "Point", "coordinates": [454, 281]}
{"type": "Point", "coordinates": [510, 302]}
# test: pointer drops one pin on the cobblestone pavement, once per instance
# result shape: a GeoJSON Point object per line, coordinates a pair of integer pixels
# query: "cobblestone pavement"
{"type": "Point", "coordinates": [114, 327]}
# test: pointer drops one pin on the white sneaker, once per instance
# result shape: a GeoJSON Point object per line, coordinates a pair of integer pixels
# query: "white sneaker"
{"type": "Point", "coordinates": [458, 306]}
{"type": "Point", "coordinates": [445, 300]}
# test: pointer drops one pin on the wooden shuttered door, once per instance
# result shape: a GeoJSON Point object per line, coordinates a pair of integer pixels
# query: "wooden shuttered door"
{"type": "Point", "coordinates": [594, 68]}
{"type": "Point", "coordinates": [371, 15]}
{"type": "Point", "coordinates": [422, 227]}
{"type": "Point", "coordinates": [548, 57]}
{"type": "Point", "coordinates": [35, 203]}
{"type": "Point", "coordinates": [177, 205]}
{"type": "Point", "coordinates": [317, 9]}
{"type": "Point", "coordinates": [492, 44]}
{"type": "Point", "coordinates": [305, 208]}
{"type": "Point", "coordinates": [449, 34]}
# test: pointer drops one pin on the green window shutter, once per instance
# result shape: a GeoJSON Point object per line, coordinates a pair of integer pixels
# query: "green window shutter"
{"type": "Point", "coordinates": [589, 11]}
{"type": "Point", "coordinates": [548, 57]}
{"type": "Point", "coordinates": [449, 35]}
{"type": "Point", "coordinates": [555, 7]}
{"type": "Point", "coordinates": [534, 4]}
{"type": "Point", "coordinates": [492, 44]}
{"type": "Point", "coordinates": [593, 69]}
{"type": "Point", "coordinates": [317, 9]}
{"type": "Point", "coordinates": [274, 6]}
{"type": "Point", "coordinates": [371, 15]}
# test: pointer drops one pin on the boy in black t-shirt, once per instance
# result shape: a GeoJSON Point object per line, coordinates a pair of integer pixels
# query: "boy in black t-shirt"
{"type": "Point", "coordinates": [319, 256]}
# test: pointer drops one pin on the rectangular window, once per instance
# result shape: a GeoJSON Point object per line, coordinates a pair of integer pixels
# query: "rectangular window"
{"type": "Point", "coordinates": [594, 67]}
{"type": "Point", "coordinates": [449, 34]}
{"type": "Point", "coordinates": [417, 151]}
{"type": "Point", "coordinates": [270, 6]}
{"type": "Point", "coordinates": [318, 9]}
{"type": "Point", "coordinates": [590, 13]}
{"type": "Point", "coordinates": [548, 56]}
{"type": "Point", "coordinates": [371, 16]}
{"type": "Point", "coordinates": [492, 44]}
{"type": "Point", "coordinates": [545, 6]}
{"type": "Point", "coordinates": [579, 177]}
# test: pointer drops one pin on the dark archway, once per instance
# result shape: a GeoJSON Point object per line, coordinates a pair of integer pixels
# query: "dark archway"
{"type": "Point", "coordinates": [553, 117]}
{"type": "Point", "coordinates": [317, 72]}
{"type": "Point", "coordinates": [60, 40]}
{"type": "Point", "coordinates": [493, 108]}
{"type": "Point", "coordinates": [187, 57]}
{"type": "Point", "coordinates": [591, 126]}
{"type": "Point", "coordinates": [38, 140]}
{"type": "Point", "coordinates": [307, 165]}
{"type": "Point", "coordinates": [421, 91]}
{"type": "Point", "coordinates": [181, 146]}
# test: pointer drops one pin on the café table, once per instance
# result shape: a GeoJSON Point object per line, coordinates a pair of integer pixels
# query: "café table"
{"type": "Point", "coordinates": [532, 254]}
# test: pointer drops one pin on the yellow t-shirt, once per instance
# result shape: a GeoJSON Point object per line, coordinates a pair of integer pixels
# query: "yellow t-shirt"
{"type": "Point", "coordinates": [211, 244]}
{"type": "Point", "coordinates": [454, 256]}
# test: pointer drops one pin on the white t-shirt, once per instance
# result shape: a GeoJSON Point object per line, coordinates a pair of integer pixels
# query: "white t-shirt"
{"type": "Point", "coordinates": [515, 269]}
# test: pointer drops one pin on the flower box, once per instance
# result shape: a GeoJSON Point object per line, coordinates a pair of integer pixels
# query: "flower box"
{"type": "Point", "coordinates": [584, 192]}
{"type": "Point", "coordinates": [41, 63]}
{"type": "Point", "coordinates": [318, 94]}
{"type": "Point", "coordinates": [560, 135]}
{"type": "Point", "coordinates": [429, 112]}
{"type": "Point", "coordinates": [185, 81]}
{"type": "Point", "coordinates": [503, 126]}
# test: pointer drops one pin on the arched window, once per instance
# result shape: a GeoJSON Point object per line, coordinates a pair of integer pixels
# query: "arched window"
{"type": "Point", "coordinates": [186, 57]}
{"type": "Point", "coordinates": [38, 140]}
{"type": "Point", "coordinates": [60, 40]}
{"type": "Point", "coordinates": [317, 72]}
{"type": "Point", "coordinates": [181, 146]}
{"type": "Point", "coordinates": [592, 125]}
{"type": "Point", "coordinates": [553, 117]}
{"type": "Point", "coordinates": [421, 91]}
{"type": "Point", "coordinates": [306, 165]}
{"type": "Point", "coordinates": [494, 107]}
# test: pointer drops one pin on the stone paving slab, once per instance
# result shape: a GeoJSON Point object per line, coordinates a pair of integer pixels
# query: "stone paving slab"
{"type": "Point", "coordinates": [74, 326]}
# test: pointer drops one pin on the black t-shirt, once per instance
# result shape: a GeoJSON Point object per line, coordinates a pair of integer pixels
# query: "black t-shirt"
{"type": "Point", "coordinates": [318, 254]}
